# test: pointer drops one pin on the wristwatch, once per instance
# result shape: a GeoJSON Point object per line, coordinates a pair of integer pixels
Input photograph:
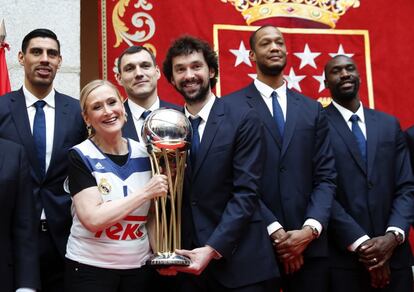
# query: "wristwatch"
{"type": "Point", "coordinates": [398, 236]}
{"type": "Point", "coordinates": [315, 232]}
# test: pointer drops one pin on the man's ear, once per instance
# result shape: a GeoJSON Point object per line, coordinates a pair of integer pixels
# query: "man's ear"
{"type": "Point", "coordinates": [252, 56]}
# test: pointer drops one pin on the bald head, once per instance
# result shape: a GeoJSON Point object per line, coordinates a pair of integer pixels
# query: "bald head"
{"type": "Point", "coordinates": [342, 78]}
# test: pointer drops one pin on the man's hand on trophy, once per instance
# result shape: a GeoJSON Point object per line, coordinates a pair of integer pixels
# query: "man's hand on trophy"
{"type": "Point", "coordinates": [200, 258]}
{"type": "Point", "coordinates": [156, 187]}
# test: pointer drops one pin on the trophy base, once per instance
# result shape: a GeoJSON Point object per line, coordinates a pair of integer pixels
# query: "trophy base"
{"type": "Point", "coordinates": [166, 259]}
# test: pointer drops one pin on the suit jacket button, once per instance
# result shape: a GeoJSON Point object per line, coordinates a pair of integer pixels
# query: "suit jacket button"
{"type": "Point", "coordinates": [370, 185]}
{"type": "Point", "coordinates": [282, 169]}
{"type": "Point", "coordinates": [194, 203]}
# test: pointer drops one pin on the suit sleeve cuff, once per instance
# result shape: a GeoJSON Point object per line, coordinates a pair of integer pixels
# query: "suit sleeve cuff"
{"type": "Point", "coordinates": [216, 255]}
{"type": "Point", "coordinates": [273, 227]}
{"type": "Point", "coordinates": [353, 247]}
{"type": "Point", "coordinates": [394, 228]}
{"type": "Point", "coordinates": [315, 224]}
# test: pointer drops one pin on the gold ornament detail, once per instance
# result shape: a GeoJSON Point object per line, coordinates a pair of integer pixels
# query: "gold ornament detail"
{"type": "Point", "coordinates": [139, 20]}
{"type": "Point", "coordinates": [326, 12]}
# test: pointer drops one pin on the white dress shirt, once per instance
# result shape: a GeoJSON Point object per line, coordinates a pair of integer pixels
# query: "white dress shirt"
{"type": "Point", "coordinates": [266, 93]}
{"type": "Point", "coordinates": [136, 111]}
{"type": "Point", "coordinates": [203, 114]}
{"type": "Point", "coordinates": [346, 114]}
{"type": "Point", "coordinates": [49, 110]}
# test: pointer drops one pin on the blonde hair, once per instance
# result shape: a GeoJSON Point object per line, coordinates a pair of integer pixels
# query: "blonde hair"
{"type": "Point", "coordinates": [91, 86]}
{"type": "Point", "coordinates": [87, 90]}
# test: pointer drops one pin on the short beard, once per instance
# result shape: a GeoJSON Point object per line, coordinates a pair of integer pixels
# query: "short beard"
{"type": "Point", "coordinates": [271, 71]}
{"type": "Point", "coordinates": [201, 95]}
{"type": "Point", "coordinates": [347, 96]}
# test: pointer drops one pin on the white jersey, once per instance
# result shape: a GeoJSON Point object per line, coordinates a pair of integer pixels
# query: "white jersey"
{"type": "Point", "coordinates": [124, 245]}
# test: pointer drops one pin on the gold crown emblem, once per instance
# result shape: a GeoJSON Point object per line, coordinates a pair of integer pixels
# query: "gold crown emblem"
{"type": "Point", "coordinates": [326, 12]}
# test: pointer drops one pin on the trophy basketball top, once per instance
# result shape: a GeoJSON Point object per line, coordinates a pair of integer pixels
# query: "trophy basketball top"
{"type": "Point", "coordinates": [167, 129]}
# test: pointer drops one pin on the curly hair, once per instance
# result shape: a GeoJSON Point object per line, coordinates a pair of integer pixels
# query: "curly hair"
{"type": "Point", "coordinates": [187, 45]}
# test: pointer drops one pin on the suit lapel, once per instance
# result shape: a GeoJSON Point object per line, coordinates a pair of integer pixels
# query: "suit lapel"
{"type": "Point", "coordinates": [256, 101]}
{"type": "Point", "coordinates": [338, 122]}
{"type": "Point", "coordinates": [129, 128]}
{"type": "Point", "coordinates": [292, 113]}
{"type": "Point", "coordinates": [61, 114]}
{"type": "Point", "coordinates": [18, 111]}
{"type": "Point", "coordinates": [372, 138]}
{"type": "Point", "coordinates": [214, 120]}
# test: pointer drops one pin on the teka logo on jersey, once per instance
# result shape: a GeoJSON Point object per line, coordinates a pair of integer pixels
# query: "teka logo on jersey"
{"type": "Point", "coordinates": [126, 230]}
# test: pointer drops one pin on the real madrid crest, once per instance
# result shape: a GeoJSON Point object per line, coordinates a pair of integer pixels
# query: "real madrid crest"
{"type": "Point", "coordinates": [104, 187]}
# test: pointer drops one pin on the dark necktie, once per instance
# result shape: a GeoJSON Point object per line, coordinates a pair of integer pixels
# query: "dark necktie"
{"type": "Point", "coordinates": [278, 114]}
{"type": "Point", "coordinates": [195, 142]}
{"type": "Point", "coordinates": [145, 114]}
{"type": "Point", "coordinates": [39, 134]}
{"type": "Point", "coordinates": [359, 136]}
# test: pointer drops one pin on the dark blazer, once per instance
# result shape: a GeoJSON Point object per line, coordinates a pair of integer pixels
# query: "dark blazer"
{"type": "Point", "coordinates": [129, 130]}
{"type": "Point", "coordinates": [409, 135]}
{"type": "Point", "coordinates": [298, 180]}
{"type": "Point", "coordinates": [374, 195]}
{"type": "Point", "coordinates": [19, 266]}
{"type": "Point", "coordinates": [69, 131]}
{"type": "Point", "coordinates": [220, 205]}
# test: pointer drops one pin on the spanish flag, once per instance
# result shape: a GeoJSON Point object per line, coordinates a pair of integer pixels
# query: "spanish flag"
{"type": "Point", "coordinates": [4, 73]}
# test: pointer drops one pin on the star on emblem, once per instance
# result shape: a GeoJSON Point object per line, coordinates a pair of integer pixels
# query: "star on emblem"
{"type": "Point", "coordinates": [242, 55]}
{"type": "Point", "coordinates": [341, 52]}
{"type": "Point", "coordinates": [293, 80]}
{"type": "Point", "coordinates": [307, 57]}
{"type": "Point", "coordinates": [321, 80]}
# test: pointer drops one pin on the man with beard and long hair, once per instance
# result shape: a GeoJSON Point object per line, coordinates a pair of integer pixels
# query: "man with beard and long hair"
{"type": "Point", "coordinates": [374, 203]}
{"type": "Point", "coordinates": [298, 181]}
{"type": "Point", "coordinates": [222, 226]}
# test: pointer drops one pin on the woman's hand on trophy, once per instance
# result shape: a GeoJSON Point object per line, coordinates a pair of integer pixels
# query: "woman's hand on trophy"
{"type": "Point", "coordinates": [156, 187]}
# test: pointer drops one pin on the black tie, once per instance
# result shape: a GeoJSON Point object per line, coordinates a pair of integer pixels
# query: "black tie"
{"type": "Point", "coordinates": [39, 134]}
{"type": "Point", "coordinates": [195, 143]}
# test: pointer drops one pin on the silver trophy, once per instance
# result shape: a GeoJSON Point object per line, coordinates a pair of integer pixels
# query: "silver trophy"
{"type": "Point", "coordinates": [167, 134]}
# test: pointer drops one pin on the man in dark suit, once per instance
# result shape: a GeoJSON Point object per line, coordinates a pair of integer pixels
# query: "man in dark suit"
{"type": "Point", "coordinates": [138, 73]}
{"type": "Point", "coordinates": [223, 232]}
{"type": "Point", "coordinates": [298, 181]}
{"type": "Point", "coordinates": [374, 203]}
{"type": "Point", "coordinates": [19, 267]}
{"type": "Point", "coordinates": [409, 134]}
{"type": "Point", "coordinates": [47, 123]}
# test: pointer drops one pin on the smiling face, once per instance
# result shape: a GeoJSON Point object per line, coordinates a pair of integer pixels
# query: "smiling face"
{"type": "Point", "coordinates": [41, 60]}
{"type": "Point", "coordinates": [342, 78]}
{"type": "Point", "coordinates": [191, 77]}
{"type": "Point", "coordinates": [269, 51]}
{"type": "Point", "coordinates": [139, 76]}
{"type": "Point", "coordinates": [104, 111]}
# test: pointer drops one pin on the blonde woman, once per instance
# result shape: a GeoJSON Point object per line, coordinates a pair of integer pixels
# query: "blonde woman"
{"type": "Point", "coordinates": [111, 188]}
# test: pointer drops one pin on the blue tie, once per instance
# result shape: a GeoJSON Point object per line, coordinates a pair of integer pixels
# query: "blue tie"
{"type": "Point", "coordinates": [359, 136]}
{"type": "Point", "coordinates": [39, 134]}
{"type": "Point", "coordinates": [195, 143]}
{"type": "Point", "coordinates": [145, 114]}
{"type": "Point", "coordinates": [278, 114]}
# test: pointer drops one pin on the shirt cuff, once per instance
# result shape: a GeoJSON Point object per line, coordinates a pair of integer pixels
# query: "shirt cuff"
{"type": "Point", "coordinates": [25, 290]}
{"type": "Point", "coordinates": [393, 228]}
{"type": "Point", "coordinates": [357, 243]}
{"type": "Point", "coordinates": [315, 224]}
{"type": "Point", "coordinates": [273, 227]}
